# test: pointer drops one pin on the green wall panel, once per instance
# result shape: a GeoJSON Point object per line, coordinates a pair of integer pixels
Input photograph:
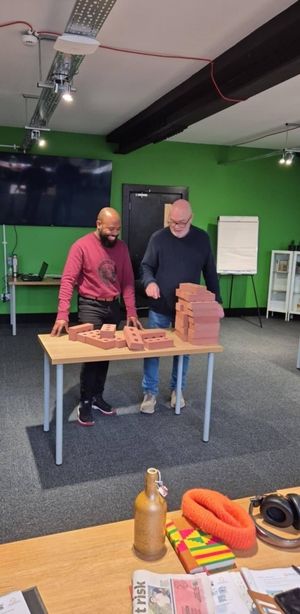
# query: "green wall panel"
{"type": "Point", "coordinates": [259, 187]}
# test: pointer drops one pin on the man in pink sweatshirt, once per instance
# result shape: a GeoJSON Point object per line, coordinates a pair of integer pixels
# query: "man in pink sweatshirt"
{"type": "Point", "coordinates": [99, 266]}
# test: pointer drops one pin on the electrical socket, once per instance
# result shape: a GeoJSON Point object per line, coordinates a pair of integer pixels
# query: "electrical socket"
{"type": "Point", "coordinates": [5, 296]}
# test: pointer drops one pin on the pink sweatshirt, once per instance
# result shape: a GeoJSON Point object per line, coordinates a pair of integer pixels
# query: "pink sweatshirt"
{"type": "Point", "coordinates": [96, 271]}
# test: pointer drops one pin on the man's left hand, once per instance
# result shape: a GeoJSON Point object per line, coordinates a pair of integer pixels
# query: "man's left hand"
{"type": "Point", "coordinates": [133, 321]}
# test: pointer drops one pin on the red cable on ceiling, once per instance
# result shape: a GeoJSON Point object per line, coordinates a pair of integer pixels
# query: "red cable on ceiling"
{"type": "Point", "coordinates": [145, 53]}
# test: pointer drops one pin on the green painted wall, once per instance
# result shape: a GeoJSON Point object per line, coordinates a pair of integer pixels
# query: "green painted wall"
{"type": "Point", "coordinates": [258, 187]}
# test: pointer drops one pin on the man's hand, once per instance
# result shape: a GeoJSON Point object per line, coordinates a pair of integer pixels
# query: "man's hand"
{"type": "Point", "coordinates": [153, 290]}
{"type": "Point", "coordinates": [133, 321]}
{"type": "Point", "coordinates": [58, 328]}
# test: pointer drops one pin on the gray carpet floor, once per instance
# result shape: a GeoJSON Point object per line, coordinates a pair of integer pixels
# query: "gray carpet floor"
{"type": "Point", "coordinates": [254, 442]}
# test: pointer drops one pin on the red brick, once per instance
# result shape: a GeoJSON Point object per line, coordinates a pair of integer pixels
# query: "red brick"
{"type": "Point", "coordinates": [194, 296]}
{"type": "Point", "coordinates": [148, 333]}
{"type": "Point", "coordinates": [182, 336]}
{"type": "Point", "coordinates": [181, 320]}
{"type": "Point", "coordinates": [212, 341]}
{"type": "Point", "coordinates": [99, 342]}
{"type": "Point", "coordinates": [158, 343]}
{"type": "Point", "coordinates": [133, 338]}
{"type": "Point", "coordinates": [107, 331]}
{"type": "Point", "coordinates": [120, 342]}
{"type": "Point", "coordinates": [204, 330]}
{"type": "Point", "coordinates": [79, 328]}
{"type": "Point", "coordinates": [212, 319]}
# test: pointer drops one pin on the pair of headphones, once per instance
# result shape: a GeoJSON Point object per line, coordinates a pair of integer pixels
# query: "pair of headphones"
{"type": "Point", "coordinates": [280, 511]}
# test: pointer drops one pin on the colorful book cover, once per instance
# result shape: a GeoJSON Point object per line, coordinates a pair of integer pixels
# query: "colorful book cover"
{"type": "Point", "coordinates": [197, 550]}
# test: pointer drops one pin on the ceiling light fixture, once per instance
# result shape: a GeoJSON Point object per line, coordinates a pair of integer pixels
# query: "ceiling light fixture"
{"type": "Point", "coordinates": [287, 157]}
{"type": "Point", "coordinates": [35, 135]}
{"type": "Point", "coordinates": [60, 84]}
{"type": "Point", "coordinates": [67, 94]}
{"type": "Point", "coordinates": [76, 44]}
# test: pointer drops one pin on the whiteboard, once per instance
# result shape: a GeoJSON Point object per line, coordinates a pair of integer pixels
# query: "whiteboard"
{"type": "Point", "coordinates": [237, 245]}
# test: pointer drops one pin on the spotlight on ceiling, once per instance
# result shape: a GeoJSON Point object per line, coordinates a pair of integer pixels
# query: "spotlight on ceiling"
{"type": "Point", "coordinates": [35, 135]}
{"type": "Point", "coordinates": [67, 95]}
{"type": "Point", "coordinates": [60, 84]}
{"type": "Point", "coordinates": [287, 157]}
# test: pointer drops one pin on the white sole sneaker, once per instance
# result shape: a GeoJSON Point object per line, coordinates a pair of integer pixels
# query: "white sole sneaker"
{"type": "Point", "coordinates": [148, 404]}
{"type": "Point", "coordinates": [173, 400]}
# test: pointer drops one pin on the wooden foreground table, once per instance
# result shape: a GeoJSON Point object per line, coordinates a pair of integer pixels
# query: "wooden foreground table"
{"type": "Point", "coordinates": [89, 571]}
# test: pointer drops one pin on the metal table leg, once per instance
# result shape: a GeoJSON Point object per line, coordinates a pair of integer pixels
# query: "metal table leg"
{"type": "Point", "coordinates": [179, 384]}
{"type": "Point", "coordinates": [46, 392]}
{"type": "Point", "coordinates": [207, 410]}
{"type": "Point", "coordinates": [59, 413]}
{"type": "Point", "coordinates": [13, 319]}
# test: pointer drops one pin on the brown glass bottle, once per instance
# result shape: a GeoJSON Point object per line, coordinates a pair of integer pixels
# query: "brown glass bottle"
{"type": "Point", "coordinates": [150, 511]}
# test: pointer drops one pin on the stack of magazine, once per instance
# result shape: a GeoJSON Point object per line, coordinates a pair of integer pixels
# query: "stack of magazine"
{"type": "Point", "coordinates": [230, 592]}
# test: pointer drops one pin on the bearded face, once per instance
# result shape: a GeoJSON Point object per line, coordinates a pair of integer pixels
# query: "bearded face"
{"type": "Point", "coordinates": [107, 240]}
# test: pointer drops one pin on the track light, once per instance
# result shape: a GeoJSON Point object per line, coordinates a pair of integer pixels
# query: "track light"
{"type": "Point", "coordinates": [60, 85]}
{"type": "Point", "coordinates": [35, 135]}
{"type": "Point", "coordinates": [67, 95]}
{"type": "Point", "coordinates": [287, 157]}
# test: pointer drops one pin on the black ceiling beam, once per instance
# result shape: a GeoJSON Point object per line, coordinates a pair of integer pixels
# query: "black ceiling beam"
{"type": "Point", "coordinates": [266, 57]}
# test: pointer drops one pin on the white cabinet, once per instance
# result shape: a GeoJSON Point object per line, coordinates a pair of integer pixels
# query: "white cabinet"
{"type": "Point", "coordinates": [294, 300]}
{"type": "Point", "coordinates": [280, 282]}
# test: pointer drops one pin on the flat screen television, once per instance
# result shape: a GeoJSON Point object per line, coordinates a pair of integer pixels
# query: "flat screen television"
{"type": "Point", "coordinates": [52, 191]}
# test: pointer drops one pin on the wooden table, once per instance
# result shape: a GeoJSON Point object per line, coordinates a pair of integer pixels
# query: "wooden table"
{"type": "Point", "coordinates": [89, 571]}
{"type": "Point", "coordinates": [14, 284]}
{"type": "Point", "coordinates": [59, 351]}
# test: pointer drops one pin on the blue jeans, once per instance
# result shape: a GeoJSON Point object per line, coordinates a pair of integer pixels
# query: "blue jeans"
{"type": "Point", "coordinates": [151, 365]}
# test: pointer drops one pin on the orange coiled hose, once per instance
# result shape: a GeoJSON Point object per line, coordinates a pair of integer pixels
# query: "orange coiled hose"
{"type": "Point", "coordinates": [214, 513]}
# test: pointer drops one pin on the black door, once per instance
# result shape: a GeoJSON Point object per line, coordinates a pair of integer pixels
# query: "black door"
{"type": "Point", "coordinates": [143, 213]}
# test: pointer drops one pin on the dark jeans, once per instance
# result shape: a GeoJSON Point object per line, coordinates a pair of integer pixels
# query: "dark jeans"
{"type": "Point", "coordinates": [93, 374]}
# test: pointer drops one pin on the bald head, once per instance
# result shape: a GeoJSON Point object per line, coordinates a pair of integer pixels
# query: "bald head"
{"type": "Point", "coordinates": [180, 218]}
{"type": "Point", "coordinates": [182, 208]}
{"type": "Point", "coordinates": [108, 216]}
{"type": "Point", "coordinates": [108, 226]}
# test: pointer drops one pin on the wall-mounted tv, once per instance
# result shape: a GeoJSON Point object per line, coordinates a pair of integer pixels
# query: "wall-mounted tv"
{"type": "Point", "coordinates": [51, 190]}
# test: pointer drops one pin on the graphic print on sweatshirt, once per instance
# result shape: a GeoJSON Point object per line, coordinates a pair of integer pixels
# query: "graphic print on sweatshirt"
{"type": "Point", "coordinates": [107, 271]}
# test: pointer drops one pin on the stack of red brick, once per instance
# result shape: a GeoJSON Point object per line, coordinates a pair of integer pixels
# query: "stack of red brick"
{"type": "Point", "coordinates": [134, 339]}
{"type": "Point", "coordinates": [197, 315]}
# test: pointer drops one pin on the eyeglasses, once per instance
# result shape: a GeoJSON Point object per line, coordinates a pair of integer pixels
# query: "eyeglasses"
{"type": "Point", "coordinates": [181, 224]}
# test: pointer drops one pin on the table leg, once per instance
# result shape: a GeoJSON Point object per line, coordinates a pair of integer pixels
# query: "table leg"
{"type": "Point", "coordinates": [207, 410]}
{"type": "Point", "coordinates": [59, 413]}
{"type": "Point", "coordinates": [13, 309]}
{"type": "Point", "coordinates": [179, 384]}
{"type": "Point", "coordinates": [46, 392]}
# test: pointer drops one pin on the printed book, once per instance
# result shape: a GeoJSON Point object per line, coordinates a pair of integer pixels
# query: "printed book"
{"type": "Point", "coordinates": [198, 551]}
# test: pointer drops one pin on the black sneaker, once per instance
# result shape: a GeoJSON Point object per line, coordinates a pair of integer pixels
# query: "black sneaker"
{"type": "Point", "coordinates": [105, 408]}
{"type": "Point", "coordinates": [85, 414]}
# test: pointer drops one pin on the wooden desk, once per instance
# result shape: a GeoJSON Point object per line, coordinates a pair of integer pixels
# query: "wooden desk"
{"type": "Point", "coordinates": [13, 284]}
{"type": "Point", "coordinates": [89, 571]}
{"type": "Point", "coordinates": [59, 351]}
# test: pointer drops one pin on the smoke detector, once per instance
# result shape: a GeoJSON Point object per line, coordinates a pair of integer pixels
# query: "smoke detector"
{"type": "Point", "coordinates": [76, 44]}
{"type": "Point", "coordinates": [29, 39]}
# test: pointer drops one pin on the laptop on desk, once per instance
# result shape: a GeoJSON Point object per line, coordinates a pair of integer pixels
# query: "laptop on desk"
{"type": "Point", "coordinates": [36, 277]}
